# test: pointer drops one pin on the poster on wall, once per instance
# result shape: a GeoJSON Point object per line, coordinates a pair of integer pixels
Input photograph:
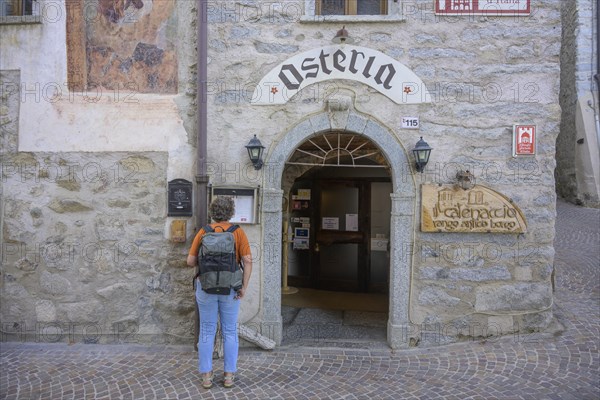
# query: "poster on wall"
{"type": "Point", "coordinates": [502, 8]}
{"type": "Point", "coordinates": [524, 140]}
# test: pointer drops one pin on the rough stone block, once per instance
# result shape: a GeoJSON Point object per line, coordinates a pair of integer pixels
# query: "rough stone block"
{"type": "Point", "coordinates": [120, 289]}
{"type": "Point", "coordinates": [274, 48]}
{"type": "Point", "coordinates": [500, 325]}
{"type": "Point", "coordinates": [495, 273]}
{"type": "Point", "coordinates": [515, 297]}
{"type": "Point", "coordinates": [320, 123]}
{"type": "Point", "coordinates": [523, 274]}
{"type": "Point", "coordinates": [84, 311]}
{"type": "Point", "coordinates": [437, 297]}
{"type": "Point", "coordinates": [535, 321]}
{"type": "Point", "coordinates": [45, 311]}
{"type": "Point", "coordinates": [109, 228]}
{"type": "Point", "coordinates": [525, 52]}
{"type": "Point", "coordinates": [68, 206]}
{"type": "Point", "coordinates": [429, 53]}
{"type": "Point", "coordinates": [356, 123]}
{"type": "Point", "coordinates": [54, 284]}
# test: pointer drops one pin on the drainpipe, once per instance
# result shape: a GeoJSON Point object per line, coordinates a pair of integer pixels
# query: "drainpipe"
{"type": "Point", "coordinates": [201, 132]}
{"type": "Point", "coordinates": [597, 76]}
{"type": "Point", "coordinates": [201, 101]}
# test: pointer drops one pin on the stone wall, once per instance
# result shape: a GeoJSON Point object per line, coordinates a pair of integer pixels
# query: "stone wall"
{"type": "Point", "coordinates": [578, 65]}
{"type": "Point", "coordinates": [84, 253]}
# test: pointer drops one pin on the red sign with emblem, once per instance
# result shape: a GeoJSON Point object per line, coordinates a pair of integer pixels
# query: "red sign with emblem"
{"type": "Point", "coordinates": [524, 139]}
{"type": "Point", "coordinates": [483, 7]}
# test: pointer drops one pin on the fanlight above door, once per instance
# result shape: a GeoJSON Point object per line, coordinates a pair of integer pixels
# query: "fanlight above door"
{"type": "Point", "coordinates": [338, 149]}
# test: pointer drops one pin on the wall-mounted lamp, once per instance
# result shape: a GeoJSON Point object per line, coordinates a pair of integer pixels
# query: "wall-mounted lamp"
{"type": "Point", "coordinates": [465, 179]}
{"type": "Point", "coordinates": [421, 153]}
{"type": "Point", "coordinates": [342, 37]}
{"type": "Point", "coordinates": [255, 151]}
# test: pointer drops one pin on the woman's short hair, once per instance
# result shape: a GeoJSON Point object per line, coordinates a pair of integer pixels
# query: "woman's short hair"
{"type": "Point", "coordinates": [222, 208]}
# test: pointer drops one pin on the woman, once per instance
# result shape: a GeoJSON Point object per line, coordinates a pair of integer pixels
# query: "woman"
{"type": "Point", "coordinates": [226, 307]}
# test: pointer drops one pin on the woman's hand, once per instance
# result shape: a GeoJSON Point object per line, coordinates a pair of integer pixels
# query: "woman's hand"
{"type": "Point", "coordinates": [240, 294]}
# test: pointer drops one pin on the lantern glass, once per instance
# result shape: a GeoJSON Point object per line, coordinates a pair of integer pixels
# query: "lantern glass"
{"type": "Point", "coordinates": [423, 155]}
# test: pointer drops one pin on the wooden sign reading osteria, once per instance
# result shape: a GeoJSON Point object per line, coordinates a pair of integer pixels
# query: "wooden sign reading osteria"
{"type": "Point", "coordinates": [448, 208]}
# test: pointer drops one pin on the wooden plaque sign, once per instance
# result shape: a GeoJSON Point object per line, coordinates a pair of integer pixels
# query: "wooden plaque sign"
{"type": "Point", "coordinates": [447, 208]}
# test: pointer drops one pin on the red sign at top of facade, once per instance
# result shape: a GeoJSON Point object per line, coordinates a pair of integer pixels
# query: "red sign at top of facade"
{"type": "Point", "coordinates": [483, 7]}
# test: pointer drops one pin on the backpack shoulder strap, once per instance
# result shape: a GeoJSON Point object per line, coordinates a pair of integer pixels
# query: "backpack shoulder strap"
{"type": "Point", "coordinates": [208, 229]}
{"type": "Point", "coordinates": [232, 228]}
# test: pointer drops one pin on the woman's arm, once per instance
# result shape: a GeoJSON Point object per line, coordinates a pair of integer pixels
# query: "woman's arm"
{"type": "Point", "coordinates": [247, 260]}
{"type": "Point", "coordinates": [192, 261]}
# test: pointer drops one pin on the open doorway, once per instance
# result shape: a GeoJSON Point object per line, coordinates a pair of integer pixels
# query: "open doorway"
{"type": "Point", "coordinates": [338, 218]}
{"type": "Point", "coordinates": [274, 211]}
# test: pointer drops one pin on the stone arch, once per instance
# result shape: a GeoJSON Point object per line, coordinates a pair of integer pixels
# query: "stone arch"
{"type": "Point", "coordinates": [402, 222]}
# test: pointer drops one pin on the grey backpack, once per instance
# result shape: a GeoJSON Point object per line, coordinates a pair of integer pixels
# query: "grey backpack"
{"type": "Point", "coordinates": [219, 270]}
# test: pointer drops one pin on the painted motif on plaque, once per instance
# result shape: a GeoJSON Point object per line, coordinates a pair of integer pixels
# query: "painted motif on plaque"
{"type": "Point", "coordinates": [524, 140]}
{"type": "Point", "coordinates": [447, 208]}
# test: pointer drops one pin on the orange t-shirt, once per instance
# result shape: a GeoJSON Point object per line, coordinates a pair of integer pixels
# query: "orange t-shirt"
{"type": "Point", "coordinates": [242, 246]}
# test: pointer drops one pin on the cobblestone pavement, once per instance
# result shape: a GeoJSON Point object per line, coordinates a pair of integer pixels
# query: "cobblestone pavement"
{"type": "Point", "coordinates": [563, 365]}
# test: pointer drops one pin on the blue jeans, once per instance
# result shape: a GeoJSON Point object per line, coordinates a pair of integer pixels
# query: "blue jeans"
{"type": "Point", "coordinates": [225, 307]}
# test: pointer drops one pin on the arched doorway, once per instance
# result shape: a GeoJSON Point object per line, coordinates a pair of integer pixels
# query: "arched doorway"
{"type": "Point", "coordinates": [337, 188]}
{"type": "Point", "coordinates": [402, 218]}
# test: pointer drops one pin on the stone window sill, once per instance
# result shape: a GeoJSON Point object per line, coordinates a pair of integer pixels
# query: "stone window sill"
{"type": "Point", "coordinates": [351, 18]}
{"type": "Point", "coordinates": [21, 20]}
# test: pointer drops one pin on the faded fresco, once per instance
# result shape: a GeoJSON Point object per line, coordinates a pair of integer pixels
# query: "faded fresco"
{"type": "Point", "coordinates": [129, 45]}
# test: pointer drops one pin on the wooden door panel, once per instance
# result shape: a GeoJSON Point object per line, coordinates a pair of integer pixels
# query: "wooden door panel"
{"type": "Point", "coordinates": [342, 263]}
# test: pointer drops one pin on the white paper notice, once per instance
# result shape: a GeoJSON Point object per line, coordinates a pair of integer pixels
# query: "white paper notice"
{"type": "Point", "coordinates": [243, 209]}
{"type": "Point", "coordinates": [331, 223]}
{"type": "Point", "coordinates": [352, 222]}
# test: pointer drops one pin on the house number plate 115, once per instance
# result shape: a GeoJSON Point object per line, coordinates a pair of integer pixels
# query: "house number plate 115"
{"type": "Point", "coordinates": [410, 122]}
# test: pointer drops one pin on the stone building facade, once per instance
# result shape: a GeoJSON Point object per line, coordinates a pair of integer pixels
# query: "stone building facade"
{"type": "Point", "coordinates": [87, 248]}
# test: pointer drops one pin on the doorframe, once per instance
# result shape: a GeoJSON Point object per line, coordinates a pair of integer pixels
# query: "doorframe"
{"type": "Point", "coordinates": [402, 218]}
